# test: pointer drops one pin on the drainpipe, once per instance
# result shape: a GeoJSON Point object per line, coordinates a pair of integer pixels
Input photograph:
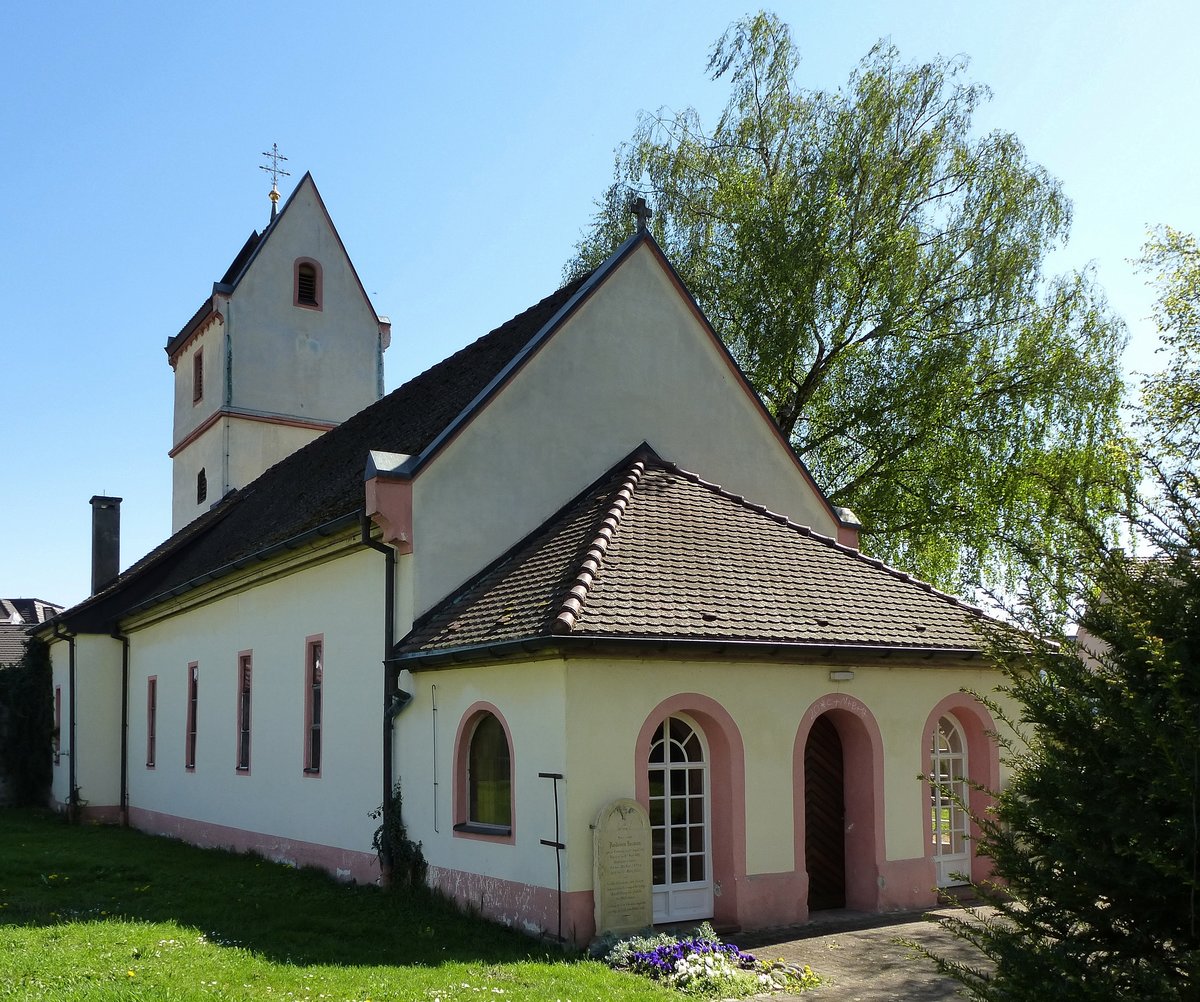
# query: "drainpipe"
{"type": "Point", "coordinates": [394, 699]}
{"type": "Point", "coordinates": [124, 801]}
{"type": "Point", "coordinates": [72, 789]}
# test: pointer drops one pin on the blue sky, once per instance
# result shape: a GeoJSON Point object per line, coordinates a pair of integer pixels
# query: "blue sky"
{"type": "Point", "coordinates": [459, 148]}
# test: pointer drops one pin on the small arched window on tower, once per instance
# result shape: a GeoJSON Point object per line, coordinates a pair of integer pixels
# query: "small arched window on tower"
{"type": "Point", "coordinates": [308, 284]}
{"type": "Point", "coordinates": [201, 487]}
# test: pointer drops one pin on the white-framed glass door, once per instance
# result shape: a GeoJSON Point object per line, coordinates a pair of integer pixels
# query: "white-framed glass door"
{"type": "Point", "coordinates": [949, 823]}
{"type": "Point", "coordinates": [681, 855]}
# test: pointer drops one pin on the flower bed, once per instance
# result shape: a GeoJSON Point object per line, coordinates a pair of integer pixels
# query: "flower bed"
{"type": "Point", "coordinates": [699, 963]}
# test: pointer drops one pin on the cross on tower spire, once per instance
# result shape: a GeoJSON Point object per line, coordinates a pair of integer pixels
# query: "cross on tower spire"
{"type": "Point", "coordinates": [276, 173]}
{"type": "Point", "coordinates": [643, 212]}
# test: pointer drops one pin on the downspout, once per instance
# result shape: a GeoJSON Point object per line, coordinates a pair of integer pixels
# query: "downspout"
{"type": "Point", "coordinates": [394, 699]}
{"type": "Point", "coordinates": [124, 801]}
{"type": "Point", "coordinates": [72, 789]}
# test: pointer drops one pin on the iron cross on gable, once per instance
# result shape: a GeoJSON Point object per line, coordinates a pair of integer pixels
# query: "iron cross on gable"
{"type": "Point", "coordinates": [276, 173]}
{"type": "Point", "coordinates": [643, 212]}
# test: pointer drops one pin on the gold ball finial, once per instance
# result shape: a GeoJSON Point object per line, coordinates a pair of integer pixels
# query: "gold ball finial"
{"type": "Point", "coordinates": [274, 196]}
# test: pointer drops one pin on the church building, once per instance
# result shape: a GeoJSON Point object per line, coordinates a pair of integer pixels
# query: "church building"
{"type": "Point", "coordinates": [575, 563]}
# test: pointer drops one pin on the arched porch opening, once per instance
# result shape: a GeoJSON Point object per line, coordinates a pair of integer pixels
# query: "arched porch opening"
{"type": "Point", "coordinates": [841, 720]}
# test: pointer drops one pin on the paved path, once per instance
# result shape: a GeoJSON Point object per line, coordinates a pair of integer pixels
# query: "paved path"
{"type": "Point", "coordinates": [867, 964]}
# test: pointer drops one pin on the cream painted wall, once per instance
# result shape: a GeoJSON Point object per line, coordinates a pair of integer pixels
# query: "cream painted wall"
{"type": "Point", "coordinates": [633, 365]}
{"type": "Point", "coordinates": [341, 599]}
{"type": "Point", "coordinates": [530, 699]}
{"type": "Point", "coordinates": [609, 701]}
{"type": "Point", "coordinates": [602, 705]}
{"type": "Point", "coordinates": [98, 720]}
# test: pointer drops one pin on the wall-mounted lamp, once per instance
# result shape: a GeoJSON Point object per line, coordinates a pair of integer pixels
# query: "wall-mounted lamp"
{"type": "Point", "coordinates": [841, 676]}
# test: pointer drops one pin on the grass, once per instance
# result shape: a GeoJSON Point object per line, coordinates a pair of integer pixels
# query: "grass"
{"type": "Point", "coordinates": [102, 913]}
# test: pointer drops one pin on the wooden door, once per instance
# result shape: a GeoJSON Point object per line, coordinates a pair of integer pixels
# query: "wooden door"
{"type": "Point", "coordinates": [825, 817]}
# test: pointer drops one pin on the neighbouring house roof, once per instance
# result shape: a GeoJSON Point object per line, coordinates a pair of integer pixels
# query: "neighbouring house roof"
{"type": "Point", "coordinates": [321, 483]}
{"type": "Point", "coordinates": [16, 616]}
{"type": "Point", "coordinates": [654, 553]}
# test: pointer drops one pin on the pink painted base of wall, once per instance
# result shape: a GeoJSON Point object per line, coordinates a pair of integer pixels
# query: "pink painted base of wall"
{"type": "Point", "coordinates": [525, 907]}
{"type": "Point", "coordinates": [346, 864]}
{"type": "Point", "coordinates": [765, 900]}
{"type": "Point", "coordinates": [772, 899]}
{"type": "Point", "coordinates": [778, 899]}
{"type": "Point", "coordinates": [907, 884]}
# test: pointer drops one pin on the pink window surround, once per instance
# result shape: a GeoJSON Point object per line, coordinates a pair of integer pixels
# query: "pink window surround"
{"type": "Point", "coordinates": [57, 723]}
{"type": "Point", "coordinates": [983, 767]}
{"type": "Point", "coordinates": [151, 720]}
{"type": "Point", "coordinates": [198, 376]}
{"type": "Point", "coordinates": [727, 789]}
{"type": "Point", "coordinates": [314, 703]}
{"type": "Point", "coordinates": [308, 290]}
{"type": "Point", "coordinates": [462, 754]}
{"type": "Point", "coordinates": [862, 755]}
{"type": "Point", "coordinates": [193, 700]}
{"type": "Point", "coordinates": [245, 678]}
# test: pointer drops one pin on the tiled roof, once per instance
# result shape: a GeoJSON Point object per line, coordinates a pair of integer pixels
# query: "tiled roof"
{"type": "Point", "coordinates": [653, 552]}
{"type": "Point", "coordinates": [12, 643]}
{"type": "Point", "coordinates": [16, 616]}
{"type": "Point", "coordinates": [323, 481]}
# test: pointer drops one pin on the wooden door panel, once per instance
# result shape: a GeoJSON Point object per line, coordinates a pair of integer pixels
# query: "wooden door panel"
{"type": "Point", "coordinates": [824, 817]}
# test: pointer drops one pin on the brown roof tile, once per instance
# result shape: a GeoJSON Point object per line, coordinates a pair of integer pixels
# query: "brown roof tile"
{"type": "Point", "coordinates": [653, 552]}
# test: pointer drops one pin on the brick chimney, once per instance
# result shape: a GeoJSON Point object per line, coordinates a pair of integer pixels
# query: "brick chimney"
{"type": "Point", "coordinates": [106, 541]}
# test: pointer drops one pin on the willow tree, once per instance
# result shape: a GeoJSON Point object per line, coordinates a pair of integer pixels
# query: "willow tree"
{"type": "Point", "coordinates": [877, 269]}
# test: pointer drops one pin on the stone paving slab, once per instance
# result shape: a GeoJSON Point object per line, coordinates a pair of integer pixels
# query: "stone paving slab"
{"type": "Point", "coordinates": [864, 959]}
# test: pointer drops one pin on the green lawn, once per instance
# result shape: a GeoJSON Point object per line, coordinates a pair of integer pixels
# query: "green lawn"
{"type": "Point", "coordinates": [97, 912]}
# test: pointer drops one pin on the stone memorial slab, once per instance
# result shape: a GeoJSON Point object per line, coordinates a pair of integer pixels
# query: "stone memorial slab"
{"type": "Point", "coordinates": [621, 870]}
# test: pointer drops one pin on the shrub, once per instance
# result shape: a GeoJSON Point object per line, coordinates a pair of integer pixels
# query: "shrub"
{"type": "Point", "coordinates": [27, 725]}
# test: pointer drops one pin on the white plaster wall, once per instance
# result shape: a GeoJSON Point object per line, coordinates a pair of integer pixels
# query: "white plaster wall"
{"type": "Point", "coordinates": [530, 698]}
{"type": "Point", "coordinates": [253, 447]}
{"type": "Point", "coordinates": [206, 453]}
{"type": "Point", "coordinates": [316, 364]}
{"type": "Point", "coordinates": [342, 599]}
{"type": "Point", "coordinates": [97, 720]}
{"type": "Point", "coordinates": [633, 365]}
{"type": "Point", "coordinates": [190, 414]}
{"type": "Point", "coordinates": [256, 446]}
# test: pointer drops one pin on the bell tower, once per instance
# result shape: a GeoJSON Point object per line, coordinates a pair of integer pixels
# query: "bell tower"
{"type": "Point", "coordinates": [286, 346]}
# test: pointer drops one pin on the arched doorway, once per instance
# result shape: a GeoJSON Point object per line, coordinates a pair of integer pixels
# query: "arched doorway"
{"type": "Point", "coordinates": [825, 816]}
{"type": "Point", "coordinates": [680, 822]}
{"type": "Point", "coordinates": [948, 792]}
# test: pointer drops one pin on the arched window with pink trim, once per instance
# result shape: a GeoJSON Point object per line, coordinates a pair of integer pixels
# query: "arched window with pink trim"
{"type": "Point", "coordinates": [483, 777]}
